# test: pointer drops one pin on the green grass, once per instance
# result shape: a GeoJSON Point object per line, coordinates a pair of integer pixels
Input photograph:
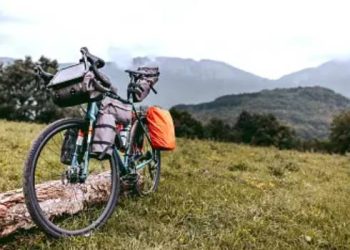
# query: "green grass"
{"type": "Point", "coordinates": [212, 196]}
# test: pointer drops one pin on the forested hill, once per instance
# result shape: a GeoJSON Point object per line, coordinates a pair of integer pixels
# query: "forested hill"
{"type": "Point", "coordinates": [309, 110]}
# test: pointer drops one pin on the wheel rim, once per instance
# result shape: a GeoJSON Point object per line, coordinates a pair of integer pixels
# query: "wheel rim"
{"type": "Point", "coordinates": [84, 206]}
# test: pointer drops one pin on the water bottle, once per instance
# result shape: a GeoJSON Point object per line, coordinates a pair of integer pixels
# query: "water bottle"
{"type": "Point", "coordinates": [123, 136]}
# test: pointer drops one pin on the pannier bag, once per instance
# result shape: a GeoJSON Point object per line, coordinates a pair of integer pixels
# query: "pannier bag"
{"type": "Point", "coordinates": [112, 111]}
{"type": "Point", "coordinates": [68, 145]}
{"type": "Point", "coordinates": [144, 83]}
{"type": "Point", "coordinates": [161, 128]}
{"type": "Point", "coordinates": [104, 135]}
{"type": "Point", "coordinates": [73, 85]}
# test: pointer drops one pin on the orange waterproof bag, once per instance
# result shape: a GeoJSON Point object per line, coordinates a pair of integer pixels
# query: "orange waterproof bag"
{"type": "Point", "coordinates": [161, 129]}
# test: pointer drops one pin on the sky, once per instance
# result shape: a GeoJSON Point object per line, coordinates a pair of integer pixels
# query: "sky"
{"type": "Point", "coordinates": [269, 38]}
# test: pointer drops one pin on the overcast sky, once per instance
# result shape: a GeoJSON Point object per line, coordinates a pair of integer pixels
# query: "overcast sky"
{"type": "Point", "coordinates": [266, 37]}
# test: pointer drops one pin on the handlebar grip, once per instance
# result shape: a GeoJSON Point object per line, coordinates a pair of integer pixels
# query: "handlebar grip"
{"type": "Point", "coordinates": [101, 77]}
{"type": "Point", "coordinates": [84, 50]}
{"type": "Point", "coordinates": [46, 76]}
{"type": "Point", "coordinates": [98, 62]}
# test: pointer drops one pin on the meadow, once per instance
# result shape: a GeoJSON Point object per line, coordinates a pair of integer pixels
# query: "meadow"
{"type": "Point", "coordinates": [211, 196]}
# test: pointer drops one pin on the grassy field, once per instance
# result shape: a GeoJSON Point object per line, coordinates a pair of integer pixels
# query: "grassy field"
{"type": "Point", "coordinates": [212, 196]}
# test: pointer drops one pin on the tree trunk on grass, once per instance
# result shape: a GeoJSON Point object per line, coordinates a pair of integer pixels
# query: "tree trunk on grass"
{"type": "Point", "coordinates": [55, 199]}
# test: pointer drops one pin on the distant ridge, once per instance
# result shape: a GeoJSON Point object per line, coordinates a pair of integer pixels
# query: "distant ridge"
{"type": "Point", "coordinates": [309, 110]}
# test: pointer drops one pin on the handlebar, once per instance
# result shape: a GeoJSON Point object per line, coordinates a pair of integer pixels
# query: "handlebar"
{"type": "Point", "coordinates": [93, 60]}
{"type": "Point", "coordinates": [97, 63]}
{"type": "Point", "coordinates": [103, 85]}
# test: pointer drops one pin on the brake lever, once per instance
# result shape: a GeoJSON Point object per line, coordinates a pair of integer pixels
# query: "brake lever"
{"type": "Point", "coordinates": [39, 71]}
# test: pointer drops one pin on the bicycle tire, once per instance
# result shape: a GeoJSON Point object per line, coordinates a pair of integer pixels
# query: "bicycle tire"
{"type": "Point", "coordinates": [31, 200]}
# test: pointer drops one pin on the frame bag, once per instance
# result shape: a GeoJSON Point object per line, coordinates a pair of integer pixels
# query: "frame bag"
{"type": "Point", "coordinates": [122, 112]}
{"type": "Point", "coordinates": [104, 135]}
{"type": "Point", "coordinates": [161, 129]}
{"type": "Point", "coordinates": [112, 112]}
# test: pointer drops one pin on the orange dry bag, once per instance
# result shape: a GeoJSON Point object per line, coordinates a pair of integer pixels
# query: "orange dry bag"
{"type": "Point", "coordinates": [161, 128]}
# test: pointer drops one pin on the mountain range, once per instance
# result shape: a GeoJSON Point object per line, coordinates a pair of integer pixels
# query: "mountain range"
{"type": "Point", "coordinates": [186, 81]}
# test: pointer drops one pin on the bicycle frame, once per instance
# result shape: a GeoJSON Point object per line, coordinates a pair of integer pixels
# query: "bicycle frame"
{"type": "Point", "coordinates": [124, 162]}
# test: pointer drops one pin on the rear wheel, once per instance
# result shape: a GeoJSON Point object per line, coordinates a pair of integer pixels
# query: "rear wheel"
{"type": "Point", "coordinates": [58, 203]}
{"type": "Point", "coordinates": [143, 152]}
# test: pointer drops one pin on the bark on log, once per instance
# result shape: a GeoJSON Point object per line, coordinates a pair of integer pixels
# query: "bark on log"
{"type": "Point", "coordinates": [55, 199]}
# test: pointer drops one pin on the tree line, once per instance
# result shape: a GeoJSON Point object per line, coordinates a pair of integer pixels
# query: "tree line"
{"type": "Point", "coordinates": [263, 130]}
{"type": "Point", "coordinates": [23, 97]}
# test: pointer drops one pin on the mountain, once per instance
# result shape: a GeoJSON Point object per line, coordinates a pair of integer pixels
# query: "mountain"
{"type": "Point", "coordinates": [334, 75]}
{"type": "Point", "coordinates": [309, 110]}
{"type": "Point", "coordinates": [189, 81]}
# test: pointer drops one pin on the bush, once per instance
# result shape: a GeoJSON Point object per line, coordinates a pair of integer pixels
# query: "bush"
{"type": "Point", "coordinates": [340, 133]}
{"type": "Point", "coordinates": [185, 125]}
{"type": "Point", "coordinates": [263, 130]}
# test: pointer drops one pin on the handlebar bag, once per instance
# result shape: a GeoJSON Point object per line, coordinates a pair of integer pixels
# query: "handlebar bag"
{"type": "Point", "coordinates": [73, 85]}
{"type": "Point", "coordinates": [104, 135]}
{"type": "Point", "coordinates": [144, 83]}
{"type": "Point", "coordinates": [161, 129]}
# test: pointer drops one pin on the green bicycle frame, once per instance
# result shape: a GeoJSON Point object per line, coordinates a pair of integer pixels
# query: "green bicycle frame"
{"type": "Point", "coordinates": [124, 162]}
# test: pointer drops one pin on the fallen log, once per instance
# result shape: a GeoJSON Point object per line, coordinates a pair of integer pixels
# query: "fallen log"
{"type": "Point", "coordinates": [55, 199]}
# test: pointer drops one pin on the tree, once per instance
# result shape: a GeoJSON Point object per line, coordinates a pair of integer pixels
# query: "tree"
{"type": "Point", "coordinates": [263, 130]}
{"type": "Point", "coordinates": [217, 130]}
{"type": "Point", "coordinates": [186, 125]}
{"type": "Point", "coordinates": [25, 98]}
{"type": "Point", "coordinates": [340, 133]}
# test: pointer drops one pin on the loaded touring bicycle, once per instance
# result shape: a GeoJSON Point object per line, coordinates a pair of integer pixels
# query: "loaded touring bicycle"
{"type": "Point", "coordinates": [76, 167]}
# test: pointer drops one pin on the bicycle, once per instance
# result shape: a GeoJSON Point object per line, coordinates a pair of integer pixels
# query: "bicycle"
{"type": "Point", "coordinates": [86, 191]}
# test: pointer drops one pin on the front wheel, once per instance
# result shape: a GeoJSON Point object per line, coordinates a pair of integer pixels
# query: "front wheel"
{"type": "Point", "coordinates": [59, 203]}
{"type": "Point", "coordinates": [143, 152]}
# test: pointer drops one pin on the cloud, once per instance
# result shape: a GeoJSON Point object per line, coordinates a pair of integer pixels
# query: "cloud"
{"type": "Point", "coordinates": [9, 19]}
{"type": "Point", "coordinates": [269, 38]}
{"type": "Point", "coordinates": [121, 57]}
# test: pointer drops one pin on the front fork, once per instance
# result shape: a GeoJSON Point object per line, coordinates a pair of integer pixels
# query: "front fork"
{"type": "Point", "coordinates": [79, 171]}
